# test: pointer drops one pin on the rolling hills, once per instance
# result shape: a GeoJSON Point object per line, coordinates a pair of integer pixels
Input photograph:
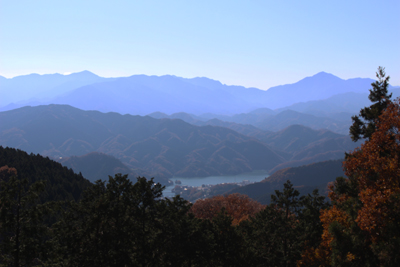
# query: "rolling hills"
{"type": "Point", "coordinates": [304, 178]}
{"type": "Point", "coordinates": [95, 166]}
{"type": "Point", "coordinates": [163, 148]}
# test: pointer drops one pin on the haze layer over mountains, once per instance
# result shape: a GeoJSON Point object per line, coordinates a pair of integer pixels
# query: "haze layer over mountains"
{"type": "Point", "coordinates": [211, 129]}
{"type": "Point", "coordinates": [141, 94]}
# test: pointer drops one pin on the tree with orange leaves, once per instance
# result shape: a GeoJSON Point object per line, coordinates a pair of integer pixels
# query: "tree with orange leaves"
{"type": "Point", "coordinates": [377, 168]}
{"type": "Point", "coordinates": [239, 207]}
{"type": "Point", "coordinates": [363, 226]}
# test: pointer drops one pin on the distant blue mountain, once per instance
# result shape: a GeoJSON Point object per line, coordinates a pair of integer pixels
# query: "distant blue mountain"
{"type": "Point", "coordinates": [26, 87]}
{"type": "Point", "coordinates": [320, 86]}
{"type": "Point", "coordinates": [142, 94]}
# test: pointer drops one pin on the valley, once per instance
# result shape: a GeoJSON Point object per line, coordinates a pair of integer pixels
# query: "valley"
{"type": "Point", "coordinates": [212, 130]}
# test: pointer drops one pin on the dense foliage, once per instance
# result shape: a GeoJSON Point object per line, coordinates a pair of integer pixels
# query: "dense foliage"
{"type": "Point", "coordinates": [362, 228]}
{"type": "Point", "coordinates": [121, 223]}
{"type": "Point", "coordinates": [23, 233]}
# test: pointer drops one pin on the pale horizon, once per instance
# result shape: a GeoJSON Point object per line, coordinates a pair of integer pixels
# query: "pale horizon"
{"type": "Point", "coordinates": [253, 44]}
{"type": "Point", "coordinates": [69, 73]}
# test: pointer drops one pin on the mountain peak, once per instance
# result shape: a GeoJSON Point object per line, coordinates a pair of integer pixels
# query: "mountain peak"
{"type": "Point", "coordinates": [84, 73]}
{"type": "Point", "coordinates": [321, 79]}
{"type": "Point", "coordinates": [323, 76]}
{"type": "Point", "coordinates": [321, 73]}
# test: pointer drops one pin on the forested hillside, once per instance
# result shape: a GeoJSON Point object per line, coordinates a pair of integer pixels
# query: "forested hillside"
{"type": "Point", "coordinates": [163, 148]}
{"type": "Point", "coordinates": [121, 223]}
{"type": "Point", "coordinates": [304, 178]}
{"type": "Point", "coordinates": [61, 183]}
{"type": "Point", "coordinates": [95, 166]}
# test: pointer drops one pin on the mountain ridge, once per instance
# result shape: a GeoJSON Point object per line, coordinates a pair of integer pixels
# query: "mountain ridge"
{"type": "Point", "coordinates": [163, 148]}
{"type": "Point", "coordinates": [168, 93]}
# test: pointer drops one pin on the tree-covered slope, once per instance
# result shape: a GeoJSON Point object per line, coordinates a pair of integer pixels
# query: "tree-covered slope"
{"type": "Point", "coordinates": [161, 147]}
{"type": "Point", "coordinates": [61, 183]}
{"type": "Point", "coordinates": [95, 166]}
{"type": "Point", "coordinates": [305, 178]}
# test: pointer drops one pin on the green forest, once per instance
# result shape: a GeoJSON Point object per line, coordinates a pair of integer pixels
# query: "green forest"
{"type": "Point", "coordinates": [50, 216]}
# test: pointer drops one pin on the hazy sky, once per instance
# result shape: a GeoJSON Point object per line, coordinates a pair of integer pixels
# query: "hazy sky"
{"type": "Point", "coordinates": [250, 43]}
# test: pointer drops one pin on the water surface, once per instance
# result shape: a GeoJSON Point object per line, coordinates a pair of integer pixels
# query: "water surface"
{"type": "Point", "coordinates": [255, 176]}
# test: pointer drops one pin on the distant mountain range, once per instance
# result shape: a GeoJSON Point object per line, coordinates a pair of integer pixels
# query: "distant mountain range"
{"type": "Point", "coordinates": [265, 120]}
{"type": "Point", "coordinates": [37, 88]}
{"type": "Point", "coordinates": [141, 94]}
{"type": "Point", "coordinates": [162, 147]}
{"type": "Point", "coordinates": [212, 129]}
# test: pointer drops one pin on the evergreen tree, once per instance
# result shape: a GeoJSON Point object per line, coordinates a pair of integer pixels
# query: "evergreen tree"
{"type": "Point", "coordinates": [113, 225]}
{"type": "Point", "coordinates": [365, 123]}
{"type": "Point", "coordinates": [309, 218]}
{"type": "Point", "coordinates": [121, 223]}
{"type": "Point", "coordinates": [23, 234]}
{"type": "Point", "coordinates": [227, 245]}
{"type": "Point", "coordinates": [183, 239]}
{"type": "Point", "coordinates": [274, 234]}
{"type": "Point", "coordinates": [288, 200]}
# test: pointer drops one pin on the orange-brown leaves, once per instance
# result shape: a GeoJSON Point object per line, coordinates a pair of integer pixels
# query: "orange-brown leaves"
{"type": "Point", "coordinates": [329, 216]}
{"type": "Point", "coordinates": [376, 165]}
{"type": "Point", "coordinates": [239, 207]}
{"type": "Point", "coordinates": [6, 172]}
{"type": "Point", "coordinates": [320, 256]}
{"type": "Point", "coordinates": [314, 257]}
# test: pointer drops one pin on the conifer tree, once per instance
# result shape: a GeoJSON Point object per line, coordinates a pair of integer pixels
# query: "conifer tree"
{"type": "Point", "coordinates": [114, 224]}
{"type": "Point", "coordinates": [23, 234]}
{"type": "Point", "coordinates": [274, 234]}
{"type": "Point", "coordinates": [365, 123]}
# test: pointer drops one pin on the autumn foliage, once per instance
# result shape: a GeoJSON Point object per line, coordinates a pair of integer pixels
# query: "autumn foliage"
{"type": "Point", "coordinates": [239, 207]}
{"type": "Point", "coordinates": [6, 173]}
{"type": "Point", "coordinates": [363, 225]}
{"type": "Point", "coordinates": [377, 166]}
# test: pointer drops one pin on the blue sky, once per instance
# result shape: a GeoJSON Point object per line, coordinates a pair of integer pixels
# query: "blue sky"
{"type": "Point", "coordinates": [250, 43]}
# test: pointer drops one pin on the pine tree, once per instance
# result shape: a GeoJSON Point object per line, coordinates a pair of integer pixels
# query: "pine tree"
{"type": "Point", "coordinates": [114, 224]}
{"type": "Point", "coordinates": [23, 233]}
{"type": "Point", "coordinates": [365, 123]}
{"type": "Point", "coordinates": [274, 234]}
